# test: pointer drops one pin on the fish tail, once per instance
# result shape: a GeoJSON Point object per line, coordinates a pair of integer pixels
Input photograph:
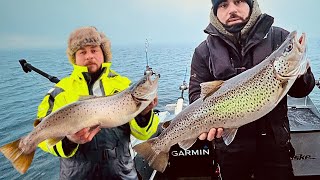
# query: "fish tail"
{"type": "Point", "coordinates": [20, 161]}
{"type": "Point", "coordinates": [157, 160]}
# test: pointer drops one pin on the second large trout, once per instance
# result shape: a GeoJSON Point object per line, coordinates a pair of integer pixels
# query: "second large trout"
{"type": "Point", "coordinates": [105, 111]}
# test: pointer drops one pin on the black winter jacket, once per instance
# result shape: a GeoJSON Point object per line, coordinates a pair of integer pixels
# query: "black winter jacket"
{"type": "Point", "coordinates": [218, 58]}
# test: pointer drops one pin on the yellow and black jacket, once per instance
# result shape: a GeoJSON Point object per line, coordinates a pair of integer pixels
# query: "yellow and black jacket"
{"type": "Point", "coordinates": [110, 146]}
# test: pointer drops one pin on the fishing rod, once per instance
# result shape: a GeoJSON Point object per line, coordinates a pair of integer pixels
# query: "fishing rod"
{"type": "Point", "coordinates": [146, 50]}
{"type": "Point", "coordinates": [27, 67]}
{"type": "Point", "coordinates": [184, 85]}
{"type": "Point", "coordinates": [148, 68]}
{"type": "Point", "coordinates": [180, 103]}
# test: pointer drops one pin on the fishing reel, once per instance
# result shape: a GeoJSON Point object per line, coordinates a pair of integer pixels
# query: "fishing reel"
{"type": "Point", "coordinates": [149, 71]}
{"type": "Point", "coordinates": [183, 86]}
{"type": "Point", "coordinates": [318, 83]}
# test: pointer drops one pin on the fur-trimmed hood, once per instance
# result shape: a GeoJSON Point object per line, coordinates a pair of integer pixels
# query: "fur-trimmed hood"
{"type": "Point", "coordinates": [256, 12]}
{"type": "Point", "coordinates": [84, 36]}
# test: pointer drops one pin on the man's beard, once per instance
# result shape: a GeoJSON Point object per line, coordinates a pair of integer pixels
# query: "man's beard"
{"type": "Point", "coordinates": [235, 28]}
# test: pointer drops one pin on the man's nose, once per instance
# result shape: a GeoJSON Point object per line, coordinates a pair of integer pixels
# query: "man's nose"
{"type": "Point", "coordinates": [232, 8]}
{"type": "Point", "coordinates": [89, 55]}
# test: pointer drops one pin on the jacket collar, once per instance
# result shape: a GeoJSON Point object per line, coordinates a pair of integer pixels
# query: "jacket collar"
{"type": "Point", "coordinates": [79, 71]}
{"type": "Point", "coordinates": [255, 35]}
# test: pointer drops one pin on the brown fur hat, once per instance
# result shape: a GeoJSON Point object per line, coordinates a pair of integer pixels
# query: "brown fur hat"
{"type": "Point", "coordinates": [84, 36]}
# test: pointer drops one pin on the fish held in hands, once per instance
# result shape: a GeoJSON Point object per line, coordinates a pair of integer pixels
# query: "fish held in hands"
{"type": "Point", "coordinates": [232, 103]}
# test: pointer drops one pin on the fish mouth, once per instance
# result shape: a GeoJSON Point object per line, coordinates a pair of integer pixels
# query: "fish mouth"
{"type": "Point", "coordinates": [301, 43]}
{"type": "Point", "coordinates": [146, 88]}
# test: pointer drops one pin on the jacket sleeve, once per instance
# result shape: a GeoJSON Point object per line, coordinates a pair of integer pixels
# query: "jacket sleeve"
{"type": "Point", "coordinates": [199, 71]}
{"type": "Point", "coordinates": [303, 85]}
{"type": "Point", "coordinates": [50, 103]}
{"type": "Point", "coordinates": [143, 127]}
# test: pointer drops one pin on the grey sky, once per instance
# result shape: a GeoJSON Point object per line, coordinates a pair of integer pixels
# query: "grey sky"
{"type": "Point", "coordinates": [44, 23]}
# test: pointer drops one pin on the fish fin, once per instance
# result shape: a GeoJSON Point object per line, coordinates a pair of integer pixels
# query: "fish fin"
{"type": "Point", "coordinates": [36, 122]}
{"type": "Point", "coordinates": [156, 160]}
{"type": "Point", "coordinates": [20, 161]}
{"type": "Point", "coordinates": [82, 98]}
{"type": "Point", "coordinates": [208, 88]}
{"type": "Point", "coordinates": [228, 135]}
{"type": "Point", "coordinates": [53, 141]}
{"type": "Point", "coordinates": [186, 144]}
{"type": "Point", "coordinates": [166, 124]}
{"type": "Point", "coordinates": [280, 93]}
{"type": "Point", "coordinates": [87, 97]}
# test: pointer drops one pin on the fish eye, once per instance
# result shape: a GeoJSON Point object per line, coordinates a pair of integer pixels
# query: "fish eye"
{"type": "Point", "coordinates": [289, 48]}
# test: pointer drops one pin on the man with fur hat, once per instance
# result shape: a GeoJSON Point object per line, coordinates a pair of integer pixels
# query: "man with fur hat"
{"type": "Point", "coordinates": [97, 153]}
{"type": "Point", "coordinates": [240, 37]}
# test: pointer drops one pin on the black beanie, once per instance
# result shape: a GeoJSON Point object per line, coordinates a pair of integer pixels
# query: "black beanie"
{"type": "Point", "coordinates": [215, 4]}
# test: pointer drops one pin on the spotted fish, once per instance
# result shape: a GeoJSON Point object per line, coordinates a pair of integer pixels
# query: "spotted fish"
{"type": "Point", "coordinates": [105, 111]}
{"type": "Point", "coordinates": [232, 103]}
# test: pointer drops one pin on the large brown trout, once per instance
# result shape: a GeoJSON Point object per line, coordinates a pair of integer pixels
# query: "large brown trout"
{"type": "Point", "coordinates": [105, 111]}
{"type": "Point", "coordinates": [232, 103]}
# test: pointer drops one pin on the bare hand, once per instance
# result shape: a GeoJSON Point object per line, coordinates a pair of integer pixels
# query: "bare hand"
{"type": "Point", "coordinates": [212, 134]}
{"type": "Point", "coordinates": [153, 104]}
{"type": "Point", "coordinates": [84, 135]}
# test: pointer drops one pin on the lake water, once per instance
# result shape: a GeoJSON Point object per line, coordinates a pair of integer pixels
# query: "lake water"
{"type": "Point", "coordinates": [20, 93]}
